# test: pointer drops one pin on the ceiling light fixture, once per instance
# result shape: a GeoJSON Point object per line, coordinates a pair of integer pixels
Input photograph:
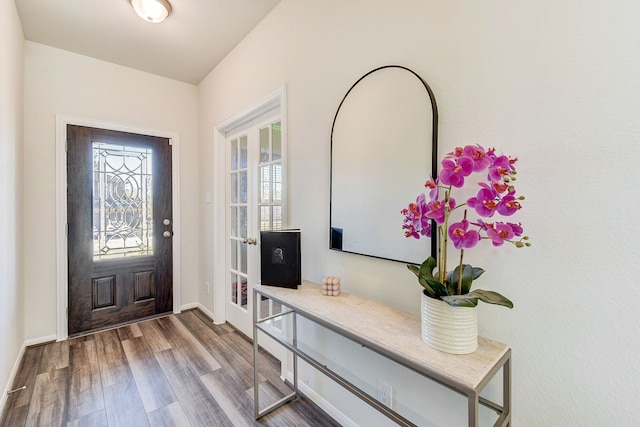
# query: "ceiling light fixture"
{"type": "Point", "coordinates": [154, 11]}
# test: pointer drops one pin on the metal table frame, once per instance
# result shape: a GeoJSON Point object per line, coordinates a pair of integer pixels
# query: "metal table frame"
{"type": "Point", "coordinates": [472, 394]}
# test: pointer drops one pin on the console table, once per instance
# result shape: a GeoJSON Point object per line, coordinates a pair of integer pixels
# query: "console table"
{"type": "Point", "coordinates": [391, 333]}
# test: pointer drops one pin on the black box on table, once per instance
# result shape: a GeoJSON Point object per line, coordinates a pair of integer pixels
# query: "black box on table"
{"type": "Point", "coordinates": [280, 258]}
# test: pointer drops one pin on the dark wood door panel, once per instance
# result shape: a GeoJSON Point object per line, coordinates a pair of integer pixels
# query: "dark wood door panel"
{"type": "Point", "coordinates": [105, 290]}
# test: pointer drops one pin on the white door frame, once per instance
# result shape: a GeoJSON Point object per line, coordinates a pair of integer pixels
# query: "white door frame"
{"type": "Point", "coordinates": [276, 99]}
{"type": "Point", "coordinates": [61, 208]}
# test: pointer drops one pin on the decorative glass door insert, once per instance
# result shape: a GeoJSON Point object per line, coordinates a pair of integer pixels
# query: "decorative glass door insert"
{"type": "Point", "coordinates": [122, 201]}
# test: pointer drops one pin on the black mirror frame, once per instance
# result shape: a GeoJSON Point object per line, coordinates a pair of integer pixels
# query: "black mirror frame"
{"type": "Point", "coordinates": [335, 237]}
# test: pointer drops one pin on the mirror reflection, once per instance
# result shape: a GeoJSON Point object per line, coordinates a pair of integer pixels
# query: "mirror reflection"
{"type": "Point", "coordinates": [383, 149]}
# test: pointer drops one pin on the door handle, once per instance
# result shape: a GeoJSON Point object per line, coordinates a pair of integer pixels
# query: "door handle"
{"type": "Point", "coordinates": [167, 234]}
{"type": "Point", "coordinates": [250, 240]}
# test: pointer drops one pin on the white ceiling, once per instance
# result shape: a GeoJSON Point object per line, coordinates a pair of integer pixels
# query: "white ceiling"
{"type": "Point", "coordinates": [191, 42]}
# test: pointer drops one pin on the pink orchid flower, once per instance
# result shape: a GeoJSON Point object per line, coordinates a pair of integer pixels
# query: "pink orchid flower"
{"type": "Point", "coordinates": [461, 236]}
{"type": "Point", "coordinates": [454, 171]}
{"type": "Point", "coordinates": [499, 233]}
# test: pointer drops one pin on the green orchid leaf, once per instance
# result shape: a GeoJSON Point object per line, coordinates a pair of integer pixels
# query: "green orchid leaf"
{"type": "Point", "coordinates": [491, 297]}
{"type": "Point", "coordinates": [450, 284]}
{"type": "Point", "coordinates": [468, 276]}
{"type": "Point", "coordinates": [438, 288]}
{"type": "Point", "coordinates": [477, 272]}
{"type": "Point", "coordinates": [414, 269]}
{"type": "Point", "coordinates": [449, 276]}
{"type": "Point", "coordinates": [427, 267]}
{"type": "Point", "coordinates": [428, 288]}
{"type": "Point", "coordinates": [422, 280]}
{"type": "Point", "coordinates": [460, 300]}
{"type": "Point", "coordinates": [452, 287]}
{"type": "Point", "coordinates": [468, 273]}
{"type": "Point", "coordinates": [429, 291]}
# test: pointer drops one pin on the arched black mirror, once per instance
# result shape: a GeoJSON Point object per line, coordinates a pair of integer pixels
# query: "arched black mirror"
{"type": "Point", "coordinates": [384, 145]}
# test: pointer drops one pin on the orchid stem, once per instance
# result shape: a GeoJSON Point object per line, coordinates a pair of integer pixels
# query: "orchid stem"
{"type": "Point", "coordinates": [443, 258]}
{"type": "Point", "coordinates": [459, 290]}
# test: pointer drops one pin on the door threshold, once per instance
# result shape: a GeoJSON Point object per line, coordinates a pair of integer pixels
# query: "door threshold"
{"type": "Point", "coordinates": [119, 325]}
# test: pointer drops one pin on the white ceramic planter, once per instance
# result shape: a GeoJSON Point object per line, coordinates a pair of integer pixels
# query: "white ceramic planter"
{"type": "Point", "coordinates": [449, 329]}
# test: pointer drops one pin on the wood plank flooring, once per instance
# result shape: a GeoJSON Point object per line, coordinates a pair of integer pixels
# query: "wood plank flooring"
{"type": "Point", "coordinates": [177, 370]}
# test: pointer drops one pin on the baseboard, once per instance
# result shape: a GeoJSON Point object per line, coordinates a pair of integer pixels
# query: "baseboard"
{"type": "Point", "coordinates": [199, 306]}
{"type": "Point", "coordinates": [16, 366]}
{"type": "Point", "coordinates": [322, 403]}
{"type": "Point", "coordinates": [41, 340]}
{"type": "Point", "coordinates": [189, 306]}
{"type": "Point", "coordinates": [12, 377]}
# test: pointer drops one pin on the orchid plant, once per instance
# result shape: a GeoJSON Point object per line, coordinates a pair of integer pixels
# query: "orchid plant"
{"type": "Point", "coordinates": [496, 196]}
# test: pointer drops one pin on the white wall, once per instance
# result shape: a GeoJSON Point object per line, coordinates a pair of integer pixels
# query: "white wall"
{"type": "Point", "coordinates": [11, 209]}
{"type": "Point", "coordinates": [60, 82]}
{"type": "Point", "coordinates": [554, 83]}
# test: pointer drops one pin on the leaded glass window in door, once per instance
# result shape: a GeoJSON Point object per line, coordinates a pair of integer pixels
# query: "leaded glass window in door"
{"type": "Point", "coordinates": [122, 201]}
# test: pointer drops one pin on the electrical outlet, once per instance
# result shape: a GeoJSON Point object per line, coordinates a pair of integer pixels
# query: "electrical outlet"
{"type": "Point", "coordinates": [206, 284]}
{"type": "Point", "coordinates": [385, 394]}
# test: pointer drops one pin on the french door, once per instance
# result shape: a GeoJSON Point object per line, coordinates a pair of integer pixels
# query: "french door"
{"type": "Point", "coordinates": [255, 202]}
{"type": "Point", "coordinates": [119, 214]}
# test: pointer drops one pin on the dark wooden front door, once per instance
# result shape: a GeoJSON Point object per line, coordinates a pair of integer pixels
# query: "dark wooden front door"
{"type": "Point", "coordinates": [120, 227]}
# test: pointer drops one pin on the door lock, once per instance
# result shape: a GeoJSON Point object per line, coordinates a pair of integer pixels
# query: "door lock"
{"type": "Point", "coordinates": [167, 234]}
{"type": "Point", "coordinates": [250, 240]}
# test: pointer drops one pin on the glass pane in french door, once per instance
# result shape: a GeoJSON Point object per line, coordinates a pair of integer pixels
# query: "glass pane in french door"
{"type": "Point", "coordinates": [238, 214]}
{"type": "Point", "coordinates": [270, 201]}
{"type": "Point", "coordinates": [270, 175]}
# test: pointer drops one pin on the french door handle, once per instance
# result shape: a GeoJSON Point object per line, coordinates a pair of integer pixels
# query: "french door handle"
{"type": "Point", "coordinates": [167, 234]}
{"type": "Point", "coordinates": [250, 240]}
